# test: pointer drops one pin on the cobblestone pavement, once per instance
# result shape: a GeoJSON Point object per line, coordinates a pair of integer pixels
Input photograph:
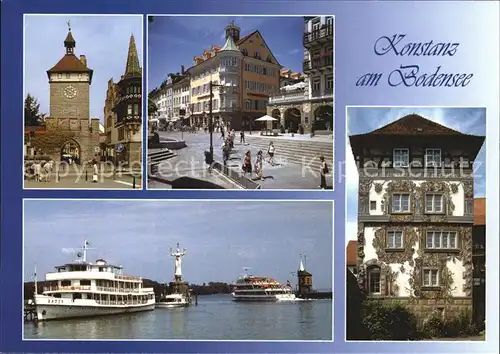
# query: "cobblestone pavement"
{"type": "Point", "coordinates": [76, 181]}
{"type": "Point", "coordinates": [281, 176]}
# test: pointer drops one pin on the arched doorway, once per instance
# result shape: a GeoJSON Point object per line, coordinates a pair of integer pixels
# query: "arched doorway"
{"type": "Point", "coordinates": [292, 120]}
{"type": "Point", "coordinates": [276, 114]}
{"type": "Point", "coordinates": [323, 118]}
{"type": "Point", "coordinates": [70, 152]}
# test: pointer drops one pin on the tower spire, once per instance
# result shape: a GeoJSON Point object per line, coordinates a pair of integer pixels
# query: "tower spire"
{"type": "Point", "coordinates": [301, 266]}
{"type": "Point", "coordinates": [69, 42]}
{"type": "Point", "coordinates": [133, 67]}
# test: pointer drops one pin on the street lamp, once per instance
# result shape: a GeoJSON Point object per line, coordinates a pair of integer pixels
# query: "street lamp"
{"type": "Point", "coordinates": [211, 118]}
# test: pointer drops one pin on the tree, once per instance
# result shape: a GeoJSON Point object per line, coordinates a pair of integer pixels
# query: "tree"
{"type": "Point", "coordinates": [32, 115]}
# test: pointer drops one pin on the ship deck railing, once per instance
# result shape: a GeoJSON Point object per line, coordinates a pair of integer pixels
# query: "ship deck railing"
{"type": "Point", "coordinates": [114, 302]}
{"type": "Point", "coordinates": [97, 288]}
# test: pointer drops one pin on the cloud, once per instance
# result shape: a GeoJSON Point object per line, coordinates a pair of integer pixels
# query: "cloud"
{"type": "Point", "coordinates": [295, 51]}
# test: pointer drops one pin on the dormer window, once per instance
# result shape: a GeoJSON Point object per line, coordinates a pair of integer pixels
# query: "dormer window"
{"type": "Point", "coordinates": [401, 157]}
{"type": "Point", "coordinates": [432, 157]}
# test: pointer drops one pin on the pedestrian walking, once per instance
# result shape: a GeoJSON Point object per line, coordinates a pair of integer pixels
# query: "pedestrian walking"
{"type": "Point", "coordinates": [258, 165]}
{"type": "Point", "coordinates": [96, 171]}
{"type": "Point", "coordinates": [222, 133]}
{"type": "Point", "coordinates": [242, 137]}
{"type": "Point", "coordinates": [323, 171]}
{"type": "Point", "coordinates": [247, 164]}
{"type": "Point", "coordinates": [270, 152]}
{"type": "Point", "coordinates": [225, 153]}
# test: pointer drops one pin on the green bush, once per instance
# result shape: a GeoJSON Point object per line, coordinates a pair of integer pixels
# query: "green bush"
{"type": "Point", "coordinates": [432, 327]}
{"type": "Point", "coordinates": [389, 321]}
{"type": "Point", "coordinates": [453, 327]}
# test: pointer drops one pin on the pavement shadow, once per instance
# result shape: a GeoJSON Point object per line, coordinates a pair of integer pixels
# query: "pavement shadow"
{"type": "Point", "coordinates": [193, 183]}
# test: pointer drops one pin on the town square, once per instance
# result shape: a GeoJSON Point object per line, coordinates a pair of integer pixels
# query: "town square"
{"type": "Point", "coordinates": [83, 102]}
{"type": "Point", "coordinates": [242, 103]}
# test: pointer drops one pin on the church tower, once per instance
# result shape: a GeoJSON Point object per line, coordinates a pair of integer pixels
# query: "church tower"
{"type": "Point", "coordinates": [69, 82]}
{"type": "Point", "coordinates": [128, 109]}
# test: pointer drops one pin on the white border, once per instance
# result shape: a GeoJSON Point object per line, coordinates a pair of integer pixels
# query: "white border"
{"type": "Point", "coordinates": [333, 168]}
{"type": "Point", "coordinates": [24, 96]}
{"type": "Point", "coordinates": [184, 201]}
{"type": "Point", "coordinates": [488, 197]}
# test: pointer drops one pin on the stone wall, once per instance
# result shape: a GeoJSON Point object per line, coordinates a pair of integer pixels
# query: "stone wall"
{"type": "Point", "coordinates": [77, 107]}
{"type": "Point", "coordinates": [424, 308]}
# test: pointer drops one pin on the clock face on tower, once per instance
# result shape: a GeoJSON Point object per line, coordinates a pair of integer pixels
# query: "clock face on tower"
{"type": "Point", "coordinates": [70, 92]}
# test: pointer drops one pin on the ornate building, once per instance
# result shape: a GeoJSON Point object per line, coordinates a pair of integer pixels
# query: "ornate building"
{"type": "Point", "coordinates": [123, 113]}
{"type": "Point", "coordinates": [310, 104]}
{"type": "Point", "coordinates": [416, 214]}
{"type": "Point", "coordinates": [69, 131]}
{"type": "Point", "coordinates": [247, 72]}
{"type": "Point", "coordinates": [479, 261]}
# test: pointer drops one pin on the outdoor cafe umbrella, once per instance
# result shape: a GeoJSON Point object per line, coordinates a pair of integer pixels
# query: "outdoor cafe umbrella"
{"type": "Point", "coordinates": [265, 118]}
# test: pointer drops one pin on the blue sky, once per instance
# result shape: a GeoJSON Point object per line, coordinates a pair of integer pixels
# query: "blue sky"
{"type": "Point", "coordinates": [103, 40]}
{"type": "Point", "coordinates": [365, 119]}
{"type": "Point", "coordinates": [174, 41]}
{"type": "Point", "coordinates": [221, 237]}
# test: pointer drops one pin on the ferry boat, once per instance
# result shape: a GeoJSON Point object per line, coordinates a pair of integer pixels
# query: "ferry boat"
{"type": "Point", "coordinates": [252, 288]}
{"type": "Point", "coordinates": [82, 289]}
{"type": "Point", "coordinates": [172, 300]}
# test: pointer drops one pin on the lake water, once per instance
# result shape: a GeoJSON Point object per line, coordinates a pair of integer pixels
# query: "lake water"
{"type": "Point", "coordinates": [215, 317]}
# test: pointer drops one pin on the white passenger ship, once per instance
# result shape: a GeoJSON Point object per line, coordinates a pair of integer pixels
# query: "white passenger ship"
{"type": "Point", "coordinates": [252, 288]}
{"type": "Point", "coordinates": [82, 289]}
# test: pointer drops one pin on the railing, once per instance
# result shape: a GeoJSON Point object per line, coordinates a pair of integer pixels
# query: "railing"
{"type": "Point", "coordinates": [318, 63]}
{"type": "Point", "coordinates": [113, 302]}
{"type": "Point", "coordinates": [323, 32]}
{"type": "Point", "coordinates": [327, 92]}
{"type": "Point", "coordinates": [229, 69]}
{"type": "Point", "coordinates": [229, 90]}
{"type": "Point", "coordinates": [97, 288]}
{"type": "Point", "coordinates": [67, 288]}
{"type": "Point", "coordinates": [289, 96]}
{"type": "Point", "coordinates": [127, 277]}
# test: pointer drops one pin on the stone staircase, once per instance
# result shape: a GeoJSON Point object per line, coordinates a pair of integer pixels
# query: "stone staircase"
{"type": "Point", "coordinates": [296, 151]}
{"type": "Point", "coordinates": [157, 156]}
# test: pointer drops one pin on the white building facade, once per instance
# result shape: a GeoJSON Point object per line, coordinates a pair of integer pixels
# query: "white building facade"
{"type": "Point", "coordinates": [311, 104]}
{"type": "Point", "coordinates": [415, 215]}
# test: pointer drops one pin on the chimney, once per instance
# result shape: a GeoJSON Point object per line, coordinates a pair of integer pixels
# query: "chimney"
{"type": "Point", "coordinates": [182, 69]}
{"type": "Point", "coordinates": [83, 59]}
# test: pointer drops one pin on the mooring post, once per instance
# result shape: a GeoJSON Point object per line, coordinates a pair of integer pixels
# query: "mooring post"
{"type": "Point", "coordinates": [86, 175]}
{"type": "Point", "coordinates": [133, 182]}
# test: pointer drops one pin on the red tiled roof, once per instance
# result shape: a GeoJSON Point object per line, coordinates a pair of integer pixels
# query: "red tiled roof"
{"type": "Point", "coordinates": [69, 63]}
{"type": "Point", "coordinates": [479, 211]}
{"type": "Point", "coordinates": [246, 37]}
{"type": "Point", "coordinates": [351, 253]}
{"type": "Point", "coordinates": [413, 124]}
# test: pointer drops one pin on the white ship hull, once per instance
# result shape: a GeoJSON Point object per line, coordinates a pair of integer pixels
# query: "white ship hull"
{"type": "Point", "coordinates": [81, 308]}
{"type": "Point", "coordinates": [169, 305]}
{"type": "Point", "coordinates": [278, 297]}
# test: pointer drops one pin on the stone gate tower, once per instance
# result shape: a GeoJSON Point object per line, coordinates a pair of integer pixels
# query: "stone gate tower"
{"type": "Point", "coordinates": [69, 121]}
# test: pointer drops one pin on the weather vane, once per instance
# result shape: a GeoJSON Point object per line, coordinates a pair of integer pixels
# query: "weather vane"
{"type": "Point", "coordinates": [69, 25]}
